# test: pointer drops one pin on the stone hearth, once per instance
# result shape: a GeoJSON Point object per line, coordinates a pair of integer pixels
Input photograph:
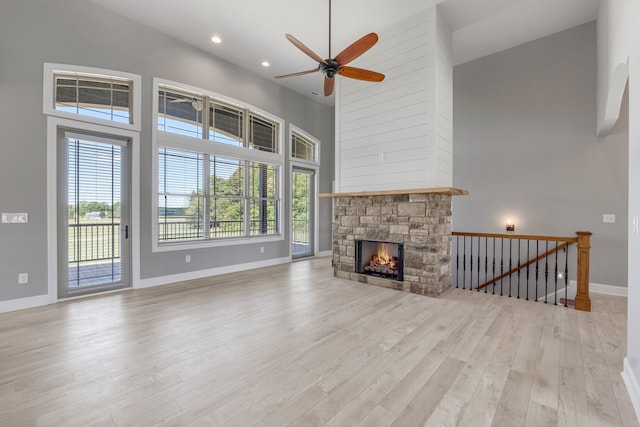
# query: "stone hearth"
{"type": "Point", "coordinates": [420, 219]}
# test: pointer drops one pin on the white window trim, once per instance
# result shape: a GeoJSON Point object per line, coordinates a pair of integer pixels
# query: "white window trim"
{"type": "Point", "coordinates": [295, 162]}
{"type": "Point", "coordinates": [217, 149]}
{"type": "Point", "coordinates": [296, 129]}
{"type": "Point", "coordinates": [51, 69]}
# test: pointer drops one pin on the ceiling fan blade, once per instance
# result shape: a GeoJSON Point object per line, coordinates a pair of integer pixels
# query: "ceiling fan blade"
{"type": "Point", "coordinates": [361, 74]}
{"type": "Point", "coordinates": [301, 73]}
{"type": "Point", "coordinates": [356, 49]}
{"type": "Point", "coordinates": [297, 43]}
{"type": "Point", "coordinates": [328, 85]}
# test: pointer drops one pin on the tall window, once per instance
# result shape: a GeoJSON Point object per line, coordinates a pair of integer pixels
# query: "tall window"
{"type": "Point", "coordinates": [219, 169]}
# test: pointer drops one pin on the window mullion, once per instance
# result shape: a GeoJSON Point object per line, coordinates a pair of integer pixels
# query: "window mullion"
{"type": "Point", "coordinates": [206, 105]}
{"type": "Point", "coordinates": [246, 194]}
{"type": "Point", "coordinates": [246, 198]}
{"type": "Point", "coordinates": [206, 190]}
{"type": "Point", "coordinates": [247, 128]}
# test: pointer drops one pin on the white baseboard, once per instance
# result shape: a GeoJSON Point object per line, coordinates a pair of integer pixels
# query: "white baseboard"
{"type": "Point", "coordinates": [632, 386]}
{"type": "Point", "coordinates": [597, 288]}
{"type": "Point", "coordinates": [324, 253]}
{"type": "Point", "coordinates": [594, 288]}
{"type": "Point", "coordinates": [192, 275]}
{"type": "Point", "coordinates": [571, 292]}
{"type": "Point", "coordinates": [23, 303]}
{"type": "Point", "coordinates": [40, 300]}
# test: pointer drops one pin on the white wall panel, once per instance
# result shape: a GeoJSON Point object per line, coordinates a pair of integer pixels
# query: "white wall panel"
{"type": "Point", "coordinates": [397, 134]}
{"type": "Point", "coordinates": [444, 105]}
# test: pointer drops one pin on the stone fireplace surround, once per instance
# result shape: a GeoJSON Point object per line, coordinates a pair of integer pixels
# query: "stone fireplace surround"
{"type": "Point", "coordinates": [419, 218]}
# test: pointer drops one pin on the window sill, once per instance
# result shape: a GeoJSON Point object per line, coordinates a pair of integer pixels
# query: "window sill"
{"type": "Point", "coordinates": [203, 244]}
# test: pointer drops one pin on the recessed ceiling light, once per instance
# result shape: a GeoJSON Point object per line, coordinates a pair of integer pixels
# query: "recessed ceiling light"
{"type": "Point", "coordinates": [216, 39]}
{"type": "Point", "coordinates": [265, 64]}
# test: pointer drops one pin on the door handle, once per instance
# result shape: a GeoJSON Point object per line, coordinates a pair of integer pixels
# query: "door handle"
{"type": "Point", "coordinates": [126, 231]}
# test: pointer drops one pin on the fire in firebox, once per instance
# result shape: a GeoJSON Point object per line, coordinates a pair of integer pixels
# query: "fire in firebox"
{"type": "Point", "coordinates": [382, 261]}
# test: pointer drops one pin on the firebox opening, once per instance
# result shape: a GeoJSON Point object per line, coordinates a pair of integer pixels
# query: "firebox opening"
{"type": "Point", "coordinates": [382, 259]}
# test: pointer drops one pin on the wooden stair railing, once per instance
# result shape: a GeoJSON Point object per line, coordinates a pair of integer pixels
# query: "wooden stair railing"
{"type": "Point", "coordinates": [582, 241]}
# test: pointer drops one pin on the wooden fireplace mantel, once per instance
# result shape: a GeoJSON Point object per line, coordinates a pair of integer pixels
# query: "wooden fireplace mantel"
{"type": "Point", "coordinates": [436, 190]}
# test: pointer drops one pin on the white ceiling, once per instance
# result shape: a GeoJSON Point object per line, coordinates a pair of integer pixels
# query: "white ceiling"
{"type": "Point", "coordinates": [253, 30]}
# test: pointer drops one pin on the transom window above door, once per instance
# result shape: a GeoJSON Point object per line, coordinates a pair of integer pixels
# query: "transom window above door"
{"type": "Point", "coordinates": [102, 98]}
{"type": "Point", "coordinates": [303, 147]}
{"type": "Point", "coordinates": [95, 95]}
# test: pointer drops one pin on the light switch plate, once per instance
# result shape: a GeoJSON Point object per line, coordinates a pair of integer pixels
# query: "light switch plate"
{"type": "Point", "coordinates": [14, 218]}
{"type": "Point", "coordinates": [609, 218]}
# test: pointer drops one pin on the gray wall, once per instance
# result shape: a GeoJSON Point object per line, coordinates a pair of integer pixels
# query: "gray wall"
{"type": "Point", "coordinates": [525, 146]}
{"type": "Point", "coordinates": [80, 33]}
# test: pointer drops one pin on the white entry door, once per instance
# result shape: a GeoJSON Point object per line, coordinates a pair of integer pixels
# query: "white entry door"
{"type": "Point", "coordinates": [302, 212]}
{"type": "Point", "coordinates": [93, 214]}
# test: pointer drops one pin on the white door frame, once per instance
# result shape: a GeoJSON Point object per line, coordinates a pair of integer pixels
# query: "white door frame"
{"type": "Point", "coordinates": [315, 168]}
{"type": "Point", "coordinates": [53, 124]}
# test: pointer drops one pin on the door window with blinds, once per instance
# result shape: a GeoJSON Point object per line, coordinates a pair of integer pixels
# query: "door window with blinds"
{"type": "Point", "coordinates": [95, 235]}
{"type": "Point", "coordinates": [219, 170]}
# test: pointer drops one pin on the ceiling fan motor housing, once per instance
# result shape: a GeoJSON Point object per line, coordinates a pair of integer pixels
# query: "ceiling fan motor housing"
{"type": "Point", "coordinates": [331, 68]}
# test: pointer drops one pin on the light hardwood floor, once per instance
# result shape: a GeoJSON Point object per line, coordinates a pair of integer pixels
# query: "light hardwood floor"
{"type": "Point", "coordinates": [292, 345]}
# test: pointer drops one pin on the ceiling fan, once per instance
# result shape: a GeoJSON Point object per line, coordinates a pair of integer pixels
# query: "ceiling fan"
{"type": "Point", "coordinates": [338, 65]}
{"type": "Point", "coordinates": [197, 104]}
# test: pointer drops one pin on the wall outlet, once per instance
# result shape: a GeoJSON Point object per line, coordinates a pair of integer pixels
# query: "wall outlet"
{"type": "Point", "coordinates": [23, 278]}
{"type": "Point", "coordinates": [187, 259]}
{"type": "Point", "coordinates": [261, 249]}
{"type": "Point", "coordinates": [609, 218]}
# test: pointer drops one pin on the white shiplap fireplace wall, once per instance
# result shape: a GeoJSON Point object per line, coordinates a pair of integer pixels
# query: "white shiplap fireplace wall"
{"type": "Point", "coordinates": [397, 134]}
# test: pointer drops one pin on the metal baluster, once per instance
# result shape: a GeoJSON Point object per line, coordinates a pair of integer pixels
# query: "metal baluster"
{"type": "Point", "coordinates": [486, 262]}
{"type": "Point", "coordinates": [528, 258]}
{"type": "Point", "coordinates": [546, 274]}
{"type": "Point", "coordinates": [494, 265]}
{"type": "Point", "coordinates": [566, 275]}
{"type": "Point", "coordinates": [457, 260]}
{"type": "Point", "coordinates": [479, 263]}
{"type": "Point", "coordinates": [501, 263]}
{"type": "Point", "coordinates": [519, 268]}
{"type": "Point", "coordinates": [471, 265]}
{"type": "Point", "coordinates": [555, 293]}
{"type": "Point", "coordinates": [510, 267]}
{"type": "Point", "coordinates": [464, 262]}
{"type": "Point", "coordinates": [537, 269]}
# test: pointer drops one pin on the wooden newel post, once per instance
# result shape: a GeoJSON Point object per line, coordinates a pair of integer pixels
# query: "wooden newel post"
{"type": "Point", "coordinates": [583, 302]}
